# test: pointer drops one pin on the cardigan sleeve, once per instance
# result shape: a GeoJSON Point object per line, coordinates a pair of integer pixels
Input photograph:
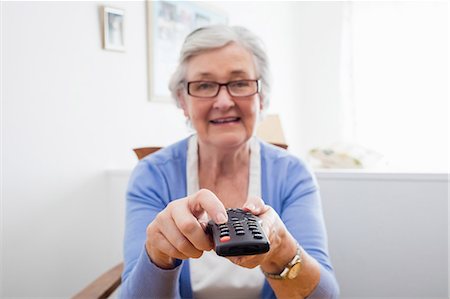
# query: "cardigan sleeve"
{"type": "Point", "coordinates": [146, 197]}
{"type": "Point", "coordinates": [299, 206]}
{"type": "Point", "coordinates": [303, 217]}
{"type": "Point", "coordinates": [146, 280]}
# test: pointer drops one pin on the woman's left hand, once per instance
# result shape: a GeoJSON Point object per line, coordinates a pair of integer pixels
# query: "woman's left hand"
{"type": "Point", "coordinates": [282, 244]}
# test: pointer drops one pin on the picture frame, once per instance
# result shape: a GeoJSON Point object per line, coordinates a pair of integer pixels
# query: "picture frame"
{"type": "Point", "coordinates": [169, 22]}
{"type": "Point", "coordinates": [113, 29]}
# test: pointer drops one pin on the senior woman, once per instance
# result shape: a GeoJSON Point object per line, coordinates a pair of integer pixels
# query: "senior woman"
{"type": "Point", "coordinates": [222, 85]}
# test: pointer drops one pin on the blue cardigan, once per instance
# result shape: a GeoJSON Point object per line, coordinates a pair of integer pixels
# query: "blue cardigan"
{"type": "Point", "coordinates": [287, 186]}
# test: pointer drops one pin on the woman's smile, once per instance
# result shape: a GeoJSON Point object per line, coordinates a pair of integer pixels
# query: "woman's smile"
{"type": "Point", "coordinates": [225, 121]}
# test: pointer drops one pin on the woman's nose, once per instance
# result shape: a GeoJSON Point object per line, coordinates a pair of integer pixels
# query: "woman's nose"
{"type": "Point", "coordinates": [223, 99]}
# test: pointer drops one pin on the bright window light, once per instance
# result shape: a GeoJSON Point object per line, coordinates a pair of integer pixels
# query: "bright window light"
{"type": "Point", "coordinates": [398, 82]}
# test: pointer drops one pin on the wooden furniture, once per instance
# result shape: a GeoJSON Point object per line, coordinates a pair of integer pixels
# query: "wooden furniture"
{"type": "Point", "coordinates": [141, 152]}
{"type": "Point", "coordinates": [103, 286]}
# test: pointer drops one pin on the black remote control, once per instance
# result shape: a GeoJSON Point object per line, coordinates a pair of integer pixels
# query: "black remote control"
{"type": "Point", "coordinates": [241, 235]}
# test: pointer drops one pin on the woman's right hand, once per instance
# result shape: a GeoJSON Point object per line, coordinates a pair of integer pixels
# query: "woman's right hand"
{"type": "Point", "coordinates": [178, 231]}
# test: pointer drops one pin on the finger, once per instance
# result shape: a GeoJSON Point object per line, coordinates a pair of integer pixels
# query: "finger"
{"type": "Point", "coordinates": [255, 205]}
{"type": "Point", "coordinates": [191, 228]}
{"type": "Point", "coordinates": [176, 238]}
{"type": "Point", "coordinates": [249, 261]}
{"type": "Point", "coordinates": [269, 220]}
{"type": "Point", "coordinates": [159, 249]}
{"type": "Point", "coordinates": [207, 201]}
{"type": "Point", "coordinates": [166, 247]}
{"type": "Point", "coordinates": [203, 220]}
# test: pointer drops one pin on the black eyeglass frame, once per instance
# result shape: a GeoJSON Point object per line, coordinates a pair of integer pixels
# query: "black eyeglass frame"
{"type": "Point", "coordinates": [258, 88]}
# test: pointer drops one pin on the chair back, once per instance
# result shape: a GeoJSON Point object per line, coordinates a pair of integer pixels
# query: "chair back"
{"type": "Point", "coordinates": [103, 286]}
{"type": "Point", "coordinates": [141, 152]}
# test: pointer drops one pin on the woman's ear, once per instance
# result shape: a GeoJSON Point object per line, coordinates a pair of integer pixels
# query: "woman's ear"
{"type": "Point", "coordinates": [182, 100]}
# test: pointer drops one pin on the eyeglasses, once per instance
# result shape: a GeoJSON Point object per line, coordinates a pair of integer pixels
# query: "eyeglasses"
{"type": "Point", "coordinates": [210, 89]}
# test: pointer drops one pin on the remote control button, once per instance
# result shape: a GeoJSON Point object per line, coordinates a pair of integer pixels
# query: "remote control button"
{"type": "Point", "coordinates": [257, 236]}
{"type": "Point", "coordinates": [223, 234]}
{"type": "Point", "coordinates": [240, 232]}
{"type": "Point", "coordinates": [234, 219]}
{"type": "Point", "coordinates": [225, 239]}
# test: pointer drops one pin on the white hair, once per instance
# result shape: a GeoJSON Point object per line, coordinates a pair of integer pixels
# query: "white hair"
{"type": "Point", "coordinates": [217, 36]}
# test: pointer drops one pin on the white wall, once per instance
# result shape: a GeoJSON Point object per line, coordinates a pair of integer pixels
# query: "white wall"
{"type": "Point", "coordinates": [70, 111]}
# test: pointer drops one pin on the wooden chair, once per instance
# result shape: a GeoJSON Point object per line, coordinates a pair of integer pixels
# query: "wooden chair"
{"type": "Point", "coordinates": [103, 286]}
{"type": "Point", "coordinates": [141, 152]}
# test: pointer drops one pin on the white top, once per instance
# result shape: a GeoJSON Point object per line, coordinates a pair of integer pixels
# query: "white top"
{"type": "Point", "coordinates": [213, 276]}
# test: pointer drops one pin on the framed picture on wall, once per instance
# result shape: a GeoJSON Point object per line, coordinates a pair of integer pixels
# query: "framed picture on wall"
{"type": "Point", "coordinates": [113, 29]}
{"type": "Point", "coordinates": [169, 22]}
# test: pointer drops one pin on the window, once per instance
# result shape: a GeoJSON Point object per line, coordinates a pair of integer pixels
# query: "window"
{"type": "Point", "coordinates": [395, 81]}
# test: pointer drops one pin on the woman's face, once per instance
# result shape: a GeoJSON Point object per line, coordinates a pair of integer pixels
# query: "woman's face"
{"type": "Point", "coordinates": [223, 121]}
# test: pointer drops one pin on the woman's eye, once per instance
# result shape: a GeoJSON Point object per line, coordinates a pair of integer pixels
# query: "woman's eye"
{"type": "Point", "coordinates": [241, 84]}
{"type": "Point", "coordinates": [205, 85]}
